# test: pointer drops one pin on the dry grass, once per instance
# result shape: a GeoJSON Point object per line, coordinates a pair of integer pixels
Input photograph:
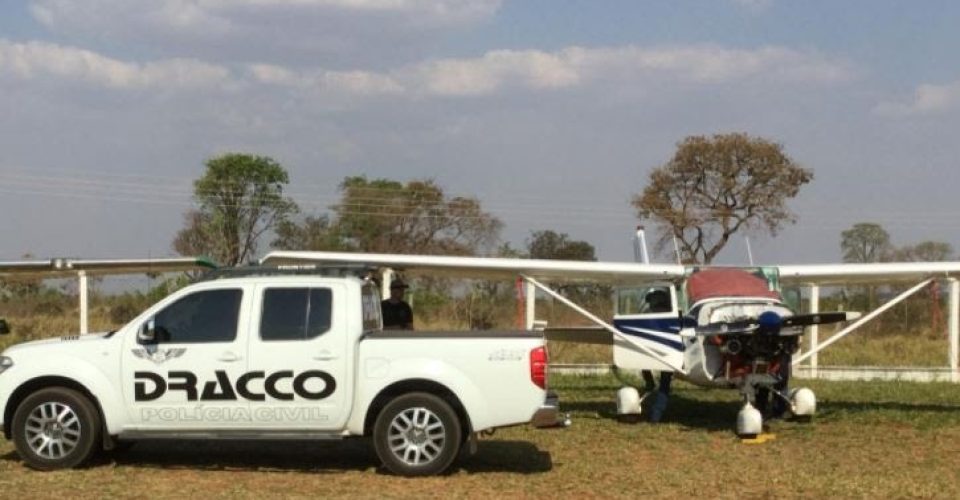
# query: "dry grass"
{"type": "Point", "coordinates": [871, 440]}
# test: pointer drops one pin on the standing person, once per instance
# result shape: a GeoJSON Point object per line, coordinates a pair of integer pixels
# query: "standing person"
{"type": "Point", "coordinates": [397, 314]}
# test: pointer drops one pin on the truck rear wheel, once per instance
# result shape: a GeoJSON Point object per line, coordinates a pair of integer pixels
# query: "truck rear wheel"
{"type": "Point", "coordinates": [56, 428]}
{"type": "Point", "coordinates": [417, 434]}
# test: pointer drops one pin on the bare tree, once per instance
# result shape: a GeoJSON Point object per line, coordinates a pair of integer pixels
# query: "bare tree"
{"type": "Point", "coordinates": [716, 186]}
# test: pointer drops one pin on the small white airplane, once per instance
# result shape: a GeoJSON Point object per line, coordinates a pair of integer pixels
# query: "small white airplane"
{"type": "Point", "coordinates": [713, 326]}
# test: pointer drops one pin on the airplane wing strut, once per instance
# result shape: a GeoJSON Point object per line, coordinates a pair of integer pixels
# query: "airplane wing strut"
{"type": "Point", "coordinates": [603, 324]}
{"type": "Point", "coordinates": [873, 314]}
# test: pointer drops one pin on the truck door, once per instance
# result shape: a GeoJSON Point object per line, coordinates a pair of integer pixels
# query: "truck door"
{"type": "Point", "coordinates": [184, 378]}
{"type": "Point", "coordinates": [298, 343]}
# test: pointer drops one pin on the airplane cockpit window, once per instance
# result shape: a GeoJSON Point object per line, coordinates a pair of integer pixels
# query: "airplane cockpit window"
{"type": "Point", "coordinates": [644, 300]}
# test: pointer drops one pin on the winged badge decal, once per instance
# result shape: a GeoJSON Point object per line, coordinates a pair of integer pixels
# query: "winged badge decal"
{"type": "Point", "coordinates": [159, 356]}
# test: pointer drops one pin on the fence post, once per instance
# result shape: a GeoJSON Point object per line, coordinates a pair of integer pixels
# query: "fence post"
{"type": "Point", "coordinates": [814, 330]}
{"type": "Point", "coordinates": [84, 301]}
{"type": "Point", "coordinates": [954, 335]}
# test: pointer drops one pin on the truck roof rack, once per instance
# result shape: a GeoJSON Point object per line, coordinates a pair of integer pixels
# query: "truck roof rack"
{"type": "Point", "coordinates": [331, 270]}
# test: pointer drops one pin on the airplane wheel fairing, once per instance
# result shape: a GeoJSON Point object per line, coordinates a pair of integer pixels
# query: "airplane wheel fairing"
{"type": "Point", "coordinates": [749, 421]}
{"type": "Point", "coordinates": [56, 428]}
{"type": "Point", "coordinates": [628, 405]}
{"type": "Point", "coordinates": [803, 402]}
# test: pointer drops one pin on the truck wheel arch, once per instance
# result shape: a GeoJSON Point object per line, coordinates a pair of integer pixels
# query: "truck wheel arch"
{"type": "Point", "coordinates": [415, 385]}
{"type": "Point", "coordinates": [35, 384]}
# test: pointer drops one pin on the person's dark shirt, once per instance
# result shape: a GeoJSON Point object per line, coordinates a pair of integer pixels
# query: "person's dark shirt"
{"type": "Point", "coordinates": [396, 314]}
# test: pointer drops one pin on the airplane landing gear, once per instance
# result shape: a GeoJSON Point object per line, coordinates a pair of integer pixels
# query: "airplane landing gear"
{"type": "Point", "coordinates": [749, 422]}
{"type": "Point", "coordinates": [628, 404]}
{"type": "Point", "coordinates": [803, 403]}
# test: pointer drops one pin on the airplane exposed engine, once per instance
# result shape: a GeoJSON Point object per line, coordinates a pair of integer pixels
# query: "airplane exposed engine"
{"type": "Point", "coordinates": [753, 353]}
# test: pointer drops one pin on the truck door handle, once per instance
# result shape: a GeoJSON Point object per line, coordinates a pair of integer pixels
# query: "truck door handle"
{"type": "Point", "coordinates": [229, 357]}
{"type": "Point", "coordinates": [325, 356]}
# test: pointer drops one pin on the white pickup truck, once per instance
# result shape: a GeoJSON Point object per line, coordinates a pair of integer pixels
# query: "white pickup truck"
{"type": "Point", "coordinates": [271, 356]}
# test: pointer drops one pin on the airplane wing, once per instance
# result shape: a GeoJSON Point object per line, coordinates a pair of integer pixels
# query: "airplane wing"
{"type": "Point", "coordinates": [54, 268]}
{"type": "Point", "coordinates": [852, 274]}
{"type": "Point", "coordinates": [487, 267]}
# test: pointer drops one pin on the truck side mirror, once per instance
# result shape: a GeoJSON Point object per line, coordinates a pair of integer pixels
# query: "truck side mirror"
{"type": "Point", "coordinates": [4, 327]}
{"type": "Point", "coordinates": [148, 332]}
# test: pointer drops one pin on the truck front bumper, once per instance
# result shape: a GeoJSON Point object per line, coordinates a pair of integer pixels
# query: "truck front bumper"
{"type": "Point", "coordinates": [548, 415]}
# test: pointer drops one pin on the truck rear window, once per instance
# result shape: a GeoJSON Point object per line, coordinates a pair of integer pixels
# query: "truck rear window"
{"type": "Point", "coordinates": [295, 313]}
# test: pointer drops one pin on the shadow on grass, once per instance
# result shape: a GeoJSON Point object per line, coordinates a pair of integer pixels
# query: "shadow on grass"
{"type": "Point", "coordinates": [306, 456]}
{"type": "Point", "coordinates": [713, 415]}
{"type": "Point", "coordinates": [692, 413]}
{"type": "Point", "coordinates": [865, 407]}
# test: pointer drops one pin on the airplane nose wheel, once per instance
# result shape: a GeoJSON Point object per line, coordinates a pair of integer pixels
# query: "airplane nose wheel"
{"type": "Point", "coordinates": [749, 422]}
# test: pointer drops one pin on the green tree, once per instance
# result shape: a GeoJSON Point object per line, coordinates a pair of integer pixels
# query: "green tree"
{"type": "Point", "coordinates": [549, 244]}
{"type": "Point", "coordinates": [926, 251]}
{"type": "Point", "coordinates": [239, 198]}
{"type": "Point", "coordinates": [382, 215]}
{"type": "Point", "coordinates": [716, 186]}
{"type": "Point", "coordinates": [865, 242]}
{"type": "Point", "coordinates": [313, 233]}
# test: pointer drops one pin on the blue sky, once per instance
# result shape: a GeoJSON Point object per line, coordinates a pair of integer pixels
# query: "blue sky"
{"type": "Point", "coordinates": [551, 112]}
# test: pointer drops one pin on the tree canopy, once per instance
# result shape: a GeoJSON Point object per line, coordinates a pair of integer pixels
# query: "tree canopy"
{"type": "Point", "coordinates": [549, 244]}
{"type": "Point", "coordinates": [239, 198]}
{"type": "Point", "coordinates": [382, 215]}
{"type": "Point", "coordinates": [716, 186]}
{"type": "Point", "coordinates": [865, 242]}
{"type": "Point", "coordinates": [925, 251]}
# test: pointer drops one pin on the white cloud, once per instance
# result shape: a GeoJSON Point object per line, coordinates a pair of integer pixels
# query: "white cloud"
{"type": "Point", "coordinates": [928, 99]}
{"type": "Point", "coordinates": [495, 72]}
{"type": "Point", "coordinates": [510, 70]}
{"type": "Point", "coordinates": [278, 30]}
{"type": "Point", "coordinates": [41, 60]}
{"type": "Point", "coordinates": [352, 82]}
{"type": "Point", "coordinates": [578, 66]}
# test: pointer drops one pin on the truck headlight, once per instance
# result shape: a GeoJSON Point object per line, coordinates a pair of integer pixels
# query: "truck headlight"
{"type": "Point", "coordinates": [5, 362]}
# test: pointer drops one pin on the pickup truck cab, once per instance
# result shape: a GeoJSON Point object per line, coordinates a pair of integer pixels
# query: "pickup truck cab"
{"type": "Point", "coordinates": [271, 356]}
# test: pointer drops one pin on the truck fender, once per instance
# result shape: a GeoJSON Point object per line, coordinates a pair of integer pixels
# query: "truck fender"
{"type": "Point", "coordinates": [68, 372]}
{"type": "Point", "coordinates": [429, 372]}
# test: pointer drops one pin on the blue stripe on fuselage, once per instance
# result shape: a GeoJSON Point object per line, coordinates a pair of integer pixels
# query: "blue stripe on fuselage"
{"type": "Point", "coordinates": [667, 326]}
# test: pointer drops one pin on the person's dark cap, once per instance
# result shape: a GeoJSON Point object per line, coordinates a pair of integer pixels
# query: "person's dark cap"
{"type": "Point", "coordinates": [398, 284]}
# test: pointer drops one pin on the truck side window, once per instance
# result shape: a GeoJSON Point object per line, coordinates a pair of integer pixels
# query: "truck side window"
{"type": "Point", "coordinates": [207, 316]}
{"type": "Point", "coordinates": [295, 313]}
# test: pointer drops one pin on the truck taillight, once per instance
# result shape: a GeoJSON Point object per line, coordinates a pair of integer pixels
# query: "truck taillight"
{"type": "Point", "coordinates": [538, 366]}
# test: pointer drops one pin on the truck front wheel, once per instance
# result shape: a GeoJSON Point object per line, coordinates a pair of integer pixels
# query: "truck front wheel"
{"type": "Point", "coordinates": [417, 434]}
{"type": "Point", "coordinates": [56, 428]}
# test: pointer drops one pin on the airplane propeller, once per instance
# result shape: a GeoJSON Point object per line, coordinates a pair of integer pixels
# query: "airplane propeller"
{"type": "Point", "coordinates": [771, 323]}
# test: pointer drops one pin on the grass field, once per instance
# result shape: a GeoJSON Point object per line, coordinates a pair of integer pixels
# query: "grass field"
{"type": "Point", "coordinates": [869, 440]}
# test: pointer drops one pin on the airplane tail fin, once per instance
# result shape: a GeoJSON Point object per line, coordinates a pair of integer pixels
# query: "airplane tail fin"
{"type": "Point", "coordinates": [640, 247]}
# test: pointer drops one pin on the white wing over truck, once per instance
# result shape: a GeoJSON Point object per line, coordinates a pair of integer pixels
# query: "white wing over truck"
{"type": "Point", "coordinates": [271, 356]}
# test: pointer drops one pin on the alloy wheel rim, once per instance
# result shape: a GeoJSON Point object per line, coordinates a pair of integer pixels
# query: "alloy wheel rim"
{"type": "Point", "coordinates": [53, 430]}
{"type": "Point", "coordinates": [416, 436]}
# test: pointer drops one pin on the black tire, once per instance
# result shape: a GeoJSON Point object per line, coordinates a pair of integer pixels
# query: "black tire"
{"type": "Point", "coordinates": [417, 434]}
{"type": "Point", "coordinates": [56, 428]}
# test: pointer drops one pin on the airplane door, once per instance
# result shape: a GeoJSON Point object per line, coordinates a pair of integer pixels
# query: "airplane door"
{"type": "Point", "coordinates": [182, 379]}
{"type": "Point", "coordinates": [648, 315]}
{"type": "Point", "coordinates": [299, 356]}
